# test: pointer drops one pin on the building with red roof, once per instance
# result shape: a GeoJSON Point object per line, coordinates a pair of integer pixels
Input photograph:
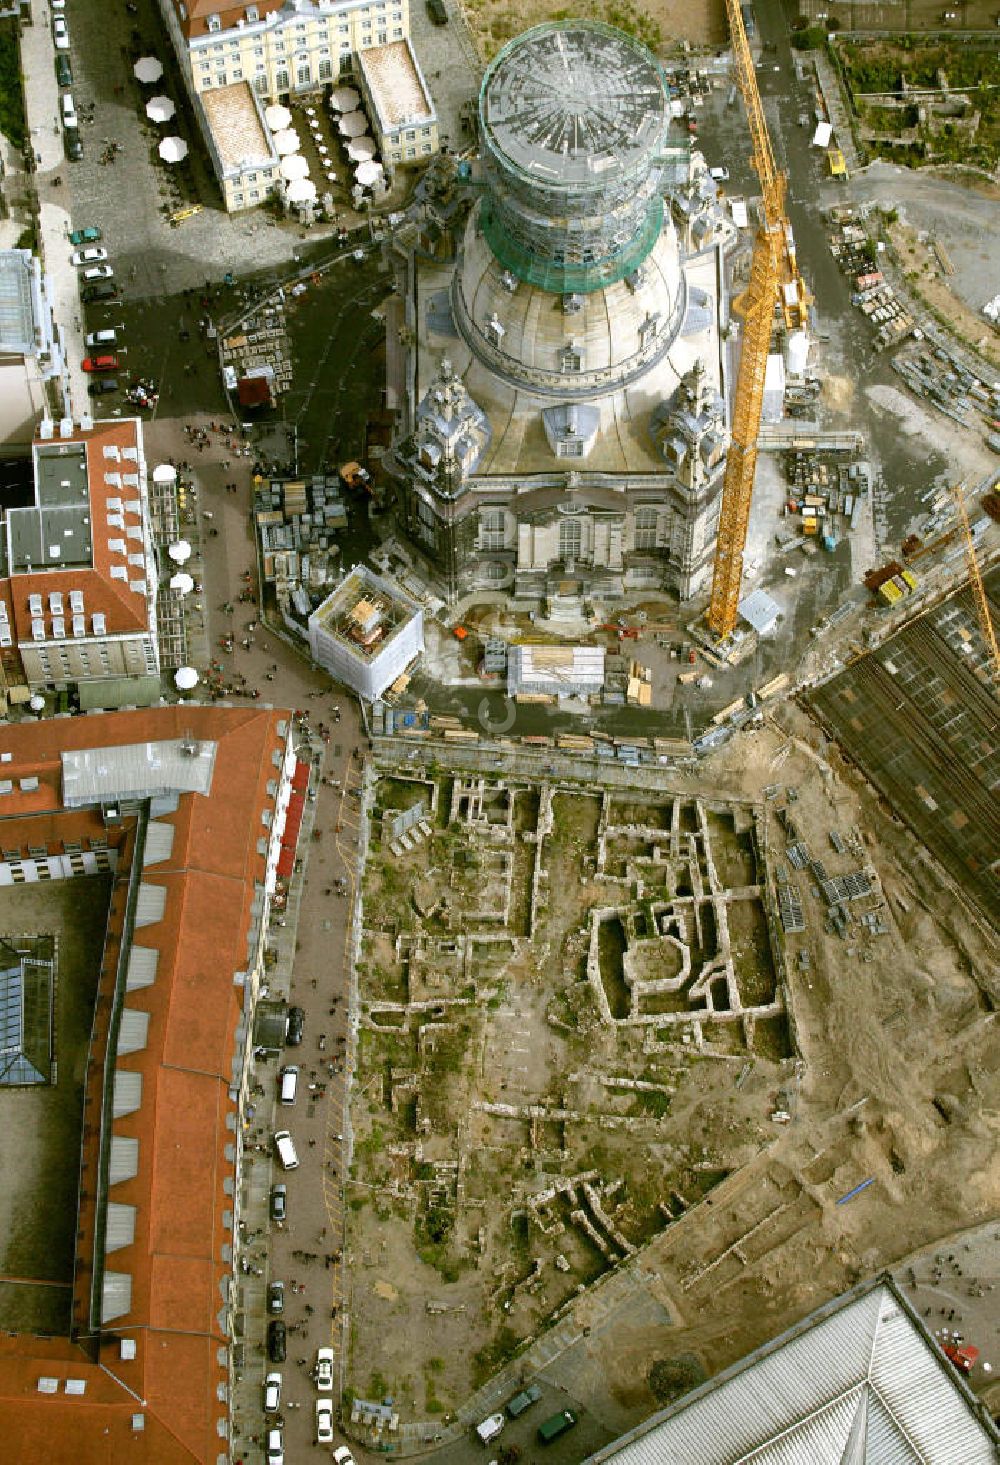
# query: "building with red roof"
{"type": "Point", "coordinates": [78, 573]}
{"type": "Point", "coordinates": [188, 806]}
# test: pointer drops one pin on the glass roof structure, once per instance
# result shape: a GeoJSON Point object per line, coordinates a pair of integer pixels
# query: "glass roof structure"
{"type": "Point", "coordinates": [26, 980]}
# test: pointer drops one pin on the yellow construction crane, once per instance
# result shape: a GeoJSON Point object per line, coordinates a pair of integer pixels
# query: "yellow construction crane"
{"type": "Point", "coordinates": [774, 278]}
{"type": "Point", "coordinates": [976, 581]}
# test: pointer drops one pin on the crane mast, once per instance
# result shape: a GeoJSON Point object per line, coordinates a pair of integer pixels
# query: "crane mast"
{"type": "Point", "coordinates": [774, 279]}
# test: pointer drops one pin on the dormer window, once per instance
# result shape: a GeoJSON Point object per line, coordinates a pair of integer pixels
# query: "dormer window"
{"type": "Point", "coordinates": [252, 13]}
{"type": "Point", "coordinates": [571, 358]}
{"type": "Point", "coordinates": [214, 23]}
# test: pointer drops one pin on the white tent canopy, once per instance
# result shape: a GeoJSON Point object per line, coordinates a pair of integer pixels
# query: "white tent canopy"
{"type": "Point", "coordinates": [182, 583]}
{"type": "Point", "coordinates": [37, 703]}
{"type": "Point", "coordinates": [173, 149]}
{"type": "Point", "coordinates": [277, 117]}
{"type": "Point", "coordinates": [160, 109]}
{"type": "Point", "coordinates": [353, 125]}
{"type": "Point", "coordinates": [185, 678]}
{"type": "Point", "coordinates": [164, 473]}
{"type": "Point", "coordinates": [147, 70]}
{"type": "Point", "coordinates": [286, 141]}
{"type": "Point", "coordinates": [180, 552]}
{"type": "Point", "coordinates": [361, 149]}
{"type": "Point", "coordinates": [301, 191]}
{"type": "Point", "coordinates": [344, 99]}
{"type": "Point", "coordinates": [368, 173]}
{"type": "Point", "coordinates": [294, 166]}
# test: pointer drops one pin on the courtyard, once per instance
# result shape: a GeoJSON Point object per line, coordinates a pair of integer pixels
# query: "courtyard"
{"type": "Point", "coordinates": [40, 1127]}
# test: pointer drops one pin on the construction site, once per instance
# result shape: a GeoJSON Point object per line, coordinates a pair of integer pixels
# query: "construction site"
{"type": "Point", "coordinates": [647, 1029]}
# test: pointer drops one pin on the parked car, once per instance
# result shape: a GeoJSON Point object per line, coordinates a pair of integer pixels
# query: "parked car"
{"type": "Point", "coordinates": [107, 337]}
{"type": "Point", "coordinates": [60, 33]}
{"type": "Point", "coordinates": [523, 1401]}
{"type": "Point", "coordinates": [100, 363]}
{"type": "Point", "coordinates": [276, 1341]}
{"type": "Point", "coordinates": [557, 1424]}
{"type": "Point", "coordinates": [90, 235]}
{"type": "Point", "coordinates": [73, 143]}
{"type": "Point", "coordinates": [97, 272]}
{"type": "Point", "coordinates": [324, 1370]}
{"type": "Point", "coordinates": [104, 290]}
{"type": "Point", "coordinates": [57, 5]}
{"type": "Point", "coordinates": [275, 1447]}
{"type": "Point", "coordinates": [437, 12]}
{"type": "Point", "coordinates": [275, 1296]}
{"type": "Point", "coordinates": [103, 386]}
{"type": "Point", "coordinates": [272, 1393]}
{"type": "Point", "coordinates": [67, 109]}
{"type": "Point", "coordinates": [324, 1421]}
{"type": "Point", "coordinates": [295, 1026]}
{"type": "Point", "coordinates": [93, 256]}
{"type": "Point", "coordinates": [343, 1456]}
{"type": "Point", "coordinates": [64, 71]}
{"type": "Point", "coordinates": [279, 1202]}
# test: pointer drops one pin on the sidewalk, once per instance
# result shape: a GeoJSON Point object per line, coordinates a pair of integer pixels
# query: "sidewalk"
{"type": "Point", "coordinates": [41, 105]}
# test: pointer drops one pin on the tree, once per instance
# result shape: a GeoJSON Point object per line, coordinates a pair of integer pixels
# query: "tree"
{"type": "Point", "coordinates": [669, 1378]}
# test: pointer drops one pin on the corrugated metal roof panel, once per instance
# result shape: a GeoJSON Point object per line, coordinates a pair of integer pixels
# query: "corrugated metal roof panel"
{"type": "Point", "coordinates": [142, 962]}
{"type": "Point", "coordinates": [116, 1299]}
{"type": "Point", "coordinates": [159, 843]}
{"type": "Point", "coordinates": [119, 1229]}
{"type": "Point", "coordinates": [123, 1162]}
{"type": "Point", "coordinates": [128, 1092]}
{"type": "Point", "coordinates": [150, 905]}
{"type": "Point", "coordinates": [132, 1031]}
{"type": "Point", "coordinates": [858, 1381]}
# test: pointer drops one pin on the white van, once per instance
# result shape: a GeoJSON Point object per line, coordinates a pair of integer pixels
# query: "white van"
{"type": "Point", "coordinates": [289, 1083]}
{"type": "Point", "coordinates": [491, 1427]}
{"type": "Point", "coordinates": [285, 1146]}
{"type": "Point", "coordinates": [68, 106]}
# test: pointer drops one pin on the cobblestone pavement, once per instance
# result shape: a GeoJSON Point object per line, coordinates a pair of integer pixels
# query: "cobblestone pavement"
{"type": "Point", "coordinates": [309, 969]}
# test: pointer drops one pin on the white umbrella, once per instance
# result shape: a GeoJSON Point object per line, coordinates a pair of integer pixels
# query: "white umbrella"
{"type": "Point", "coordinates": [173, 149]}
{"type": "Point", "coordinates": [361, 149]}
{"type": "Point", "coordinates": [277, 117]}
{"type": "Point", "coordinates": [368, 173]}
{"type": "Point", "coordinates": [182, 583]}
{"type": "Point", "coordinates": [37, 703]}
{"type": "Point", "coordinates": [180, 552]}
{"type": "Point", "coordinates": [344, 99]}
{"type": "Point", "coordinates": [185, 677]}
{"type": "Point", "coordinates": [164, 473]}
{"type": "Point", "coordinates": [353, 125]}
{"type": "Point", "coordinates": [310, 111]}
{"type": "Point", "coordinates": [294, 166]}
{"type": "Point", "coordinates": [160, 109]}
{"type": "Point", "coordinates": [286, 141]}
{"type": "Point", "coordinates": [331, 176]}
{"type": "Point", "coordinates": [147, 70]}
{"type": "Point", "coordinates": [301, 191]}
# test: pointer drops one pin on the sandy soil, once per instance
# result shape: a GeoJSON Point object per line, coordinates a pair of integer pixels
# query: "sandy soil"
{"type": "Point", "coordinates": [662, 24]}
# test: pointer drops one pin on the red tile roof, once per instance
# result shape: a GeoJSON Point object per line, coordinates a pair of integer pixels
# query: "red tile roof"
{"type": "Point", "coordinates": [125, 610]}
{"type": "Point", "coordinates": [185, 1124]}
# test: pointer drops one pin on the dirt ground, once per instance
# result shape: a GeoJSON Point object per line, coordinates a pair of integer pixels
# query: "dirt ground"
{"type": "Point", "coordinates": [662, 24]}
{"type": "Point", "coordinates": [896, 1074]}
{"type": "Point", "coordinates": [926, 279]}
{"type": "Point", "coordinates": [900, 1074]}
{"type": "Point", "coordinates": [40, 1128]}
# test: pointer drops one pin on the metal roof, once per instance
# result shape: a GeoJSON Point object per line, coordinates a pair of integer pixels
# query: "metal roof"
{"type": "Point", "coordinates": [137, 771]}
{"type": "Point", "coordinates": [119, 1229]}
{"type": "Point", "coordinates": [21, 307]}
{"type": "Point", "coordinates": [759, 611]}
{"type": "Point", "coordinates": [142, 962]}
{"type": "Point", "coordinates": [159, 843]}
{"type": "Point", "coordinates": [859, 1382]}
{"type": "Point", "coordinates": [574, 102]}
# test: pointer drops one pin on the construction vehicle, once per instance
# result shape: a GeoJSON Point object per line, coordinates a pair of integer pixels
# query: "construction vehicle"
{"type": "Point", "coordinates": [774, 278]}
{"type": "Point", "coordinates": [976, 581]}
